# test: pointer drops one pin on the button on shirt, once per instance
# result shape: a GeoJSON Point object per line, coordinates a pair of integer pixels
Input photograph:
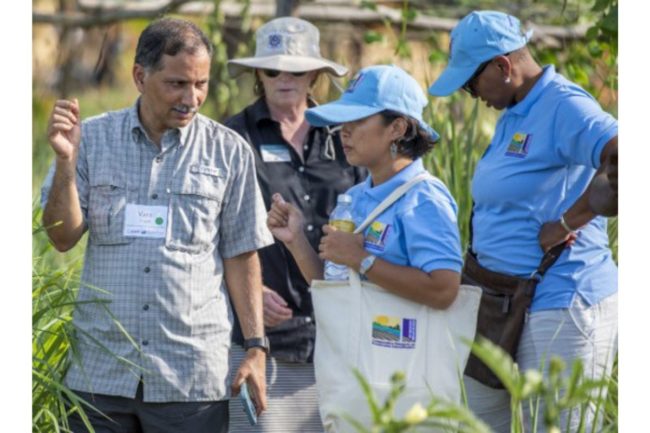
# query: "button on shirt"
{"type": "Point", "coordinates": [168, 293]}
{"type": "Point", "coordinates": [544, 152]}
{"type": "Point", "coordinates": [419, 230]}
{"type": "Point", "coordinates": [311, 183]}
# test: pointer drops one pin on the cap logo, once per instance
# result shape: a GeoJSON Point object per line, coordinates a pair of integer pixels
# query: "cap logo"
{"type": "Point", "coordinates": [275, 40]}
{"type": "Point", "coordinates": [354, 83]}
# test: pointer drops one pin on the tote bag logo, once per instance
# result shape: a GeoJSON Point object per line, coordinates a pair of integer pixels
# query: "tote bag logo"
{"type": "Point", "coordinates": [394, 332]}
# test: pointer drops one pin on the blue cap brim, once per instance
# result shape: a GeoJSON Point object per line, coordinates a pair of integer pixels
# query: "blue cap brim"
{"type": "Point", "coordinates": [451, 79]}
{"type": "Point", "coordinates": [337, 112]}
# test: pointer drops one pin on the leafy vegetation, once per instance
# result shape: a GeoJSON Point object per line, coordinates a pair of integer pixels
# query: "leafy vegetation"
{"type": "Point", "coordinates": [545, 396]}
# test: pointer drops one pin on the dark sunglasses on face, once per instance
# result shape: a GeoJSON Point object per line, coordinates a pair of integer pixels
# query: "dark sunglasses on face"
{"type": "Point", "coordinates": [272, 73]}
{"type": "Point", "coordinates": [469, 84]}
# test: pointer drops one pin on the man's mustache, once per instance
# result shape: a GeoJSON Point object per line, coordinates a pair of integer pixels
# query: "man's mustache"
{"type": "Point", "coordinates": [185, 109]}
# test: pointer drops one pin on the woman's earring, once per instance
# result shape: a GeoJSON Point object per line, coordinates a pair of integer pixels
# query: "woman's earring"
{"type": "Point", "coordinates": [507, 80]}
{"type": "Point", "coordinates": [393, 150]}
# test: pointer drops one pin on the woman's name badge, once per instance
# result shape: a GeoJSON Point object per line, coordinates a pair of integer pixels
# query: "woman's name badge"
{"type": "Point", "coordinates": [145, 221]}
{"type": "Point", "coordinates": [275, 153]}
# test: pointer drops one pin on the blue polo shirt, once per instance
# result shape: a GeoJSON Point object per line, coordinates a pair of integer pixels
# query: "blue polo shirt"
{"type": "Point", "coordinates": [419, 230]}
{"type": "Point", "coordinates": [544, 152]}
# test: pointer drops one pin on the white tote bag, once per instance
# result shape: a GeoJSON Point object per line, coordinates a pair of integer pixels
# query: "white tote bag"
{"type": "Point", "coordinates": [361, 326]}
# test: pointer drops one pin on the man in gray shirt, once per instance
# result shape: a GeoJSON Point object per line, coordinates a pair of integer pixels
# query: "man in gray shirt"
{"type": "Point", "coordinates": [174, 215]}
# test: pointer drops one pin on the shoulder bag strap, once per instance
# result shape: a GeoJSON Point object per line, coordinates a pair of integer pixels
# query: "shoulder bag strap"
{"type": "Point", "coordinates": [388, 201]}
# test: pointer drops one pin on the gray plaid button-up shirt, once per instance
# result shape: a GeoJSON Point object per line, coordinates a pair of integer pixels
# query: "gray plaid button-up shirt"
{"type": "Point", "coordinates": [167, 293]}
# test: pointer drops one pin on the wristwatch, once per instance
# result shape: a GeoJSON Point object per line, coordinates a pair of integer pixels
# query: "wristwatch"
{"type": "Point", "coordinates": [261, 342]}
{"type": "Point", "coordinates": [366, 264]}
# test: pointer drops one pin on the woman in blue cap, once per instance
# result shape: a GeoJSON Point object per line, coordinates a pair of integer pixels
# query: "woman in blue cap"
{"type": "Point", "coordinates": [531, 193]}
{"type": "Point", "coordinates": [382, 130]}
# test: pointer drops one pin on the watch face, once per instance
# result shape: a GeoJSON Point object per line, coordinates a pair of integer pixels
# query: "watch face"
{"type": "Point", "coordinates": [366, 264]}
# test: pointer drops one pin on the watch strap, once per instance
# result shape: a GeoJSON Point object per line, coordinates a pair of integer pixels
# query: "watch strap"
{"type": "Point", "coordinates": [261, 342]}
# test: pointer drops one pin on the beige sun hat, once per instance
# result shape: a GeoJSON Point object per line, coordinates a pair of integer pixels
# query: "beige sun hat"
{"type": "Point", "coordinates": [286, 44]}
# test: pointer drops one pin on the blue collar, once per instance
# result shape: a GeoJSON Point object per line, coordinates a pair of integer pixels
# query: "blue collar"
{"type": "Point", "coordinates": [523, 107]}
{"type": "Point", "coordinates": [382, 191]}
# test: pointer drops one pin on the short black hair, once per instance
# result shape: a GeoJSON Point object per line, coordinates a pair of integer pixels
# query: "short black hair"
{"type": "Point", "coordinates": [416, 140]}
{"type": "Point", "coordinates": [169, 36]}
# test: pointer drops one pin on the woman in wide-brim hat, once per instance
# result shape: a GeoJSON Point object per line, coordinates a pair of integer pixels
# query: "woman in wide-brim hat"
{"type": "Point", "coordinates": [308, 165]}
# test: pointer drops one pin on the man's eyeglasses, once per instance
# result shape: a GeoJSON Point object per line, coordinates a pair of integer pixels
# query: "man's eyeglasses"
{"type": "Point", "coordinates": [469, 84]}
{"type": "Point", "coordinates": [272, 73]}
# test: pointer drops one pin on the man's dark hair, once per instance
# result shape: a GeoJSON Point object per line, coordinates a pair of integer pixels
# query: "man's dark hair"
{"type": "Point", "coordinates": [416, 140]}
{"type": "Point", "coordinates": [169, 36]}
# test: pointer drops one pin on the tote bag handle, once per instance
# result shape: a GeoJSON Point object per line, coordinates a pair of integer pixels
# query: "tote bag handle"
{"type": "Point", "coordinates": [388, 201]}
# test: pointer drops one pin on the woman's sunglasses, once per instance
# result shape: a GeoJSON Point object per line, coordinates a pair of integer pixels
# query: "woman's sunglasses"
{"type": "Point", "coordinates": [272, 73]}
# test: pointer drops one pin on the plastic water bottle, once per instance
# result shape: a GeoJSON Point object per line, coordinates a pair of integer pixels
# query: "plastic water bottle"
{"type": "Point", "coordinates": [341, 218]}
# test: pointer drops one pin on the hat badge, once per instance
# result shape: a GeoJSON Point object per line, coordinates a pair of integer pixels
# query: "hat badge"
{"type": "Point", "coordinates": [275, 40]}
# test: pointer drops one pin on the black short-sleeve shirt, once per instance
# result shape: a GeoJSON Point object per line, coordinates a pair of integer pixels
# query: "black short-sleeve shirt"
{"type": "Point", "coordinates": [312, 184]}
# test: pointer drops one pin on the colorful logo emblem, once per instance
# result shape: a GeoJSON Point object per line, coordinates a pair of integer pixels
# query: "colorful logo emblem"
{"type": "Point", "coordinates": [354, 83]}
{"type": "Point", "coordinates": [275, 40]}
{"type": "Point", "coordinates": [376, 236]}
{"type": "Point", "coordinates": [394, 332]}
{"type": "Point", "coordinates": [519, 145]}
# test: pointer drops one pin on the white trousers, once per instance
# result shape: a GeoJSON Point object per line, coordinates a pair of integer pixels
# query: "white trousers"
{"type": "Point", "coordinates": [577, 332]}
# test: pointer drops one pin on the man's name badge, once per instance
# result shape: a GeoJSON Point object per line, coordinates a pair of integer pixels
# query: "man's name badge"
{"type": "Point", "coordinates": [275, 153]}
{"type": "Point", "coordinates": [145, 221]}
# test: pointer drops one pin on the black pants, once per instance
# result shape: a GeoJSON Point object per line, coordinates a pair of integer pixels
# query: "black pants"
{"type": "Point", "coordinates": [135, 416]}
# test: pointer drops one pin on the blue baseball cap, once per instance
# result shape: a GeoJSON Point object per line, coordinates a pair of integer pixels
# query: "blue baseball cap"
{"type": "Point", "coordinates": [477, 38]}
{"type": "Point", "coordinates": [373, 90]}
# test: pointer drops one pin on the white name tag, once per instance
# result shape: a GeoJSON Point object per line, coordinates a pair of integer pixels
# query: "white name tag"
{"type": "Point", "coordinates": [275, 153]}
{"type": "Point", "coordinates": [145, 221]}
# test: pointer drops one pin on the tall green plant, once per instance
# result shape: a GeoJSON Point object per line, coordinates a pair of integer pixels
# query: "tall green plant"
{"type": "Point", "coordinates": [54, 298]}
{"type": "Point", "coordinates": [559, 390]}
{"type": "Point", "coordinates": [438, 414]}
{"type": "Point", "coordinates": [454, 158]}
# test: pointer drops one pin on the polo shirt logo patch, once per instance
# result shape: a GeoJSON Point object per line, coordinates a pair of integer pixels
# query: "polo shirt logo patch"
{"type": "Point", "coordinates": [394, 332]}
{"type": "Point", "coordinates": [519, 145]}
{"type": "Point", "coordinates": [376, 235]}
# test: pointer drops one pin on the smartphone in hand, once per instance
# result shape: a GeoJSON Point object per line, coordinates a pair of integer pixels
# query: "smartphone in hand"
{"type": "Point", "coordinates": [247, 403]}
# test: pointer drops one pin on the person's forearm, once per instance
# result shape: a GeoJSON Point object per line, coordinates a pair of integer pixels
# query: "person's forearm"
{"type": "Point", "coordinates": [62, 215]}
{"type": "Point", "coordinates": [580, 213]}
{"type": "Point", "coordinates": [437, 289]}
{"type": "Point", "coordinates": [244, 281]}
{"type": "Point", "coordinates": [310, 265]}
